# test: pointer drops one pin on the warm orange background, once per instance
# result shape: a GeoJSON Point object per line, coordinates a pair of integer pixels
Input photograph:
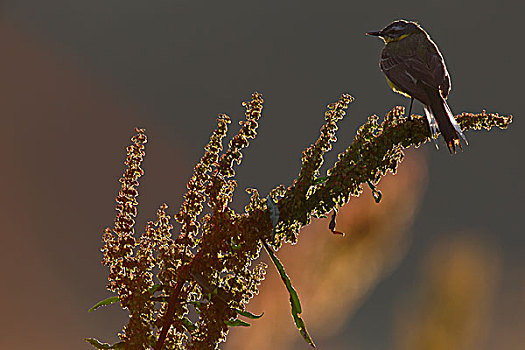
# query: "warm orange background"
{"type": "Point", "coordinates": [77, 77]}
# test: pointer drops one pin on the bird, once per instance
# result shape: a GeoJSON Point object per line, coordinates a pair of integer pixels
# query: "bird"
{"type": "Point", "coordinates": [415, 68]}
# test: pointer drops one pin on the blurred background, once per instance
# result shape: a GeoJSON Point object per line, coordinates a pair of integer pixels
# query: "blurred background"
{"type": "Point", "coordinates": [439, 264]}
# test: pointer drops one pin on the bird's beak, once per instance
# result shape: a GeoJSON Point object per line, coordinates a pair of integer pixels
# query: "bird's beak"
{"type": "Point", "coordinates": [374, 33]}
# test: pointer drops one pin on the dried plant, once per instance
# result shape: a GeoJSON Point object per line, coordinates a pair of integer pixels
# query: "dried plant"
{"type": "Point", "coordinates": [333, 275]}
{"type": "Point", "coordinates": [184, 291]}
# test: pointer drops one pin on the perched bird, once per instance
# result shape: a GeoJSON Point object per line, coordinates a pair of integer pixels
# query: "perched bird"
{"type": "Point", "coordinates": [415, 68]}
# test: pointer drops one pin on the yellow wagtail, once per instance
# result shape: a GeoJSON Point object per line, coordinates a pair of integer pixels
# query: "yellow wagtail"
{"type": "Point", "coordinates": [415, 68]}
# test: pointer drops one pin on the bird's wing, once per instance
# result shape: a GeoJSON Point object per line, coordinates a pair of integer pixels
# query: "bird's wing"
{"type": "Point", "coordinates": [439, 71]}
{"type": "Point", "coordinates": [401, 71]}
{"type": "Point", "coordinates": [406, 70]}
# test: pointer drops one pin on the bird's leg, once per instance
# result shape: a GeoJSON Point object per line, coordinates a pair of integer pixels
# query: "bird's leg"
{"type": "Point", "coordinates": [410, 108]}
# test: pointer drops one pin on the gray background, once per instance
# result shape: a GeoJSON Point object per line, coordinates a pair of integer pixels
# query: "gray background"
{"type": "Point", "coordinates": [177, 64]}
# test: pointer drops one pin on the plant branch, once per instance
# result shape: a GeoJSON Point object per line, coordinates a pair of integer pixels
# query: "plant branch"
{"type": "Point", "coordinates": [214, 252]}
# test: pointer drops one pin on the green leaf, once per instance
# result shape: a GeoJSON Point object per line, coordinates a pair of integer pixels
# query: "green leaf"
{"type": "Point", "coordinates": [237, 323]}
{"type": "Point", "coordinates": [155, 288]}
{"type": "Point", "coordinates": [248, 314]}
{"type": "Point", "coordinates": [188, 324]}
{"type": "Point", "coordinates": [320, 180]}
{"type": "Point", "coordinates": [294, 298]}
{"type": "Point", "coordinates": [235, 245]}
{"type": "Point", "coordinates": [375, 192]}
{"type": "Point", "coordinates": [105, 302]}
{"type": "Point", "coordinates": [99, 345]}
{"type": "Point", "coordinates": [114, 299]}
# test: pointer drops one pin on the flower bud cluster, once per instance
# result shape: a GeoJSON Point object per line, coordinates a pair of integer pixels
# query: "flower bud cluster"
{"type": "Point", "coordinates": [207, 267]}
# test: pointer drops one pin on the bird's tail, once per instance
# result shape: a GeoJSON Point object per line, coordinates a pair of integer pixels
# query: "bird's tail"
{"type": "Point", "coordinates": [440, 118]}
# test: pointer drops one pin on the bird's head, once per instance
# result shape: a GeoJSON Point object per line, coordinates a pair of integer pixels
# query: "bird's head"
{"type": "Point", "coordinates": [396, 31]}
